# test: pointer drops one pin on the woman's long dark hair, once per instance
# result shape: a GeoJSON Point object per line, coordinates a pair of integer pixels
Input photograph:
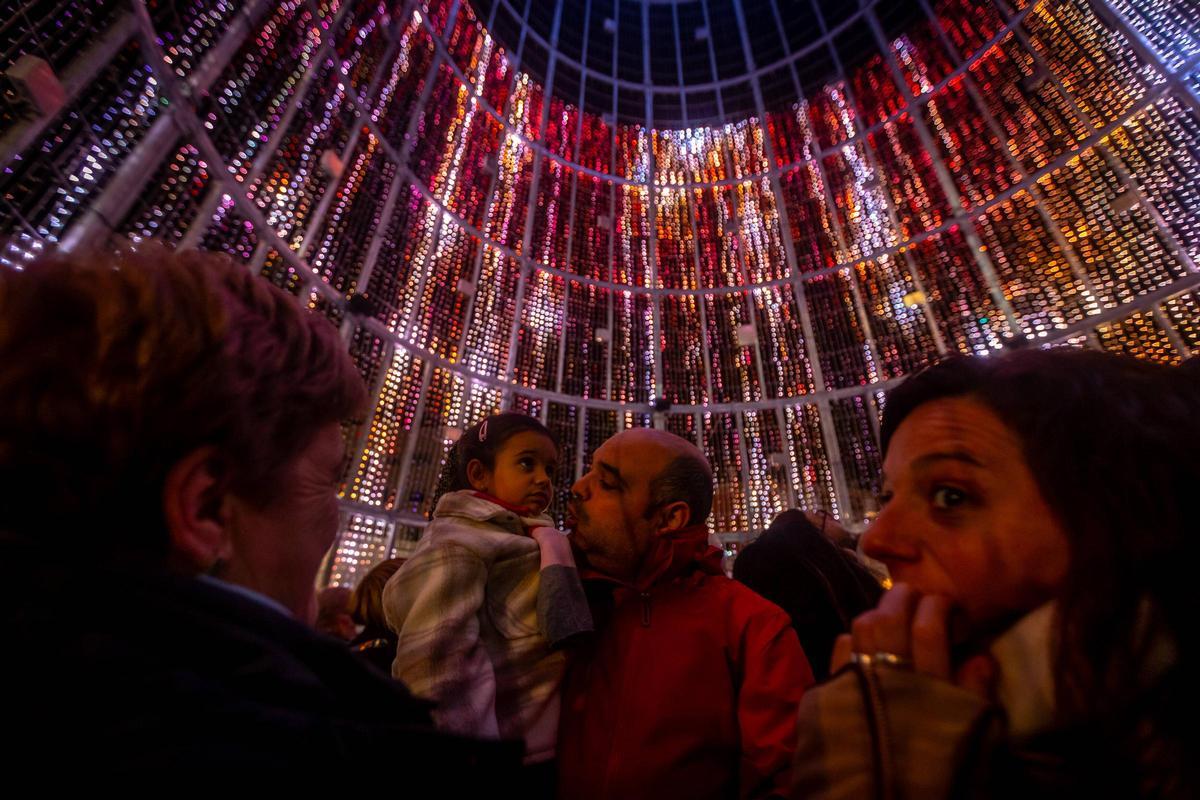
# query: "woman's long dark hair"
{"type": "Point", "coordinates": [482, 441]}
{"type": "Point", "coordinates": [1112, 443]}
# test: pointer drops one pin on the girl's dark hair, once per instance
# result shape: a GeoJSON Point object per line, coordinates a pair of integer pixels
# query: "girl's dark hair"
{"type": "Point", "coordinates": [1112, 443]}
{"type": "Point", "coordinates": [482, 441]}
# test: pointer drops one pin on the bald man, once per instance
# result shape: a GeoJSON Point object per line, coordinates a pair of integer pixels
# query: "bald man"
{"type": "Point", "coordinates": [691, 685]}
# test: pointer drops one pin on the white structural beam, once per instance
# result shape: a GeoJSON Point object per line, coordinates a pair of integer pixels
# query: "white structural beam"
{"type": "Point", "coordinates": [76, 77]}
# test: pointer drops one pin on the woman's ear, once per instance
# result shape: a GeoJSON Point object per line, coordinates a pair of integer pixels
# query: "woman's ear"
{"type": "Point", "coordinates": [196, 512]}
{"type": "Point", "coordinates": [479, 476]}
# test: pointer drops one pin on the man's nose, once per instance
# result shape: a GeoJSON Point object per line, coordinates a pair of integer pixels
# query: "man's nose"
{"type": "Point", "coordinates": [577, 489]}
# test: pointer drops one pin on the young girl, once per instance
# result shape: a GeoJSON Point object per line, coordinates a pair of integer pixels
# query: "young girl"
{"type": "Point", "coordinates": [490, 591]}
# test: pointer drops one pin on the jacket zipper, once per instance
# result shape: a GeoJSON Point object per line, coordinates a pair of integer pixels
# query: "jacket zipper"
{"type": "Point", "coordinates": [645, 609]}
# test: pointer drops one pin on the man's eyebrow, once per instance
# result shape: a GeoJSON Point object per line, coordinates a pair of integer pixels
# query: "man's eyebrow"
{"type": "Point", "coordinates": [959, 456]}
{"type": "Point", "coordinates": [611, 470]}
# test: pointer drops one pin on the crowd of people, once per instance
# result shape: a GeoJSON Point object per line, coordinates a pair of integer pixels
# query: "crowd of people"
{"type": "Point", "coordinates": [171, 441]}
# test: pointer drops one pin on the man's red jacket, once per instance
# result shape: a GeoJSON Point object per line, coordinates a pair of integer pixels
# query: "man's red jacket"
{"type": "Point", "coordinates": [689, 689]}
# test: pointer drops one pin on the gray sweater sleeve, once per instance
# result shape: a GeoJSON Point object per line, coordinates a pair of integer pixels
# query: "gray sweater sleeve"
{"type": "Point", "coordinates": [561, 606]}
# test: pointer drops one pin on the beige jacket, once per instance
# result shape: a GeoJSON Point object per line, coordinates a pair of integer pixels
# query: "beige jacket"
{"type": "Point", "coordinates": [882, 732]}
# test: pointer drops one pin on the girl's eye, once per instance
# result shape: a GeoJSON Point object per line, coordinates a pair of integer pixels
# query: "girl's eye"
{"type": "Point", "coordinates": [884, 498]}
{"type": "Point", "coordinates": [947, 497]}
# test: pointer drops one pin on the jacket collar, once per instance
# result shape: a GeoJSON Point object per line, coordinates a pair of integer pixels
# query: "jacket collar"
{"type": "Point", "coordinates": [520, 511]}
{"type": "Point", "coordinates": [671, 554]}
{"type": "Point", "coordinates": [1027, 653]}
{"type": "Point", "coordinates": [481, 507]}
{"type": "Point", "coordinates": [1025, 683]}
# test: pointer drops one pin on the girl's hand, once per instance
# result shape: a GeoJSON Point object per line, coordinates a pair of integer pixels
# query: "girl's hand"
{"type": "Point", "coordinates": [555, 547]}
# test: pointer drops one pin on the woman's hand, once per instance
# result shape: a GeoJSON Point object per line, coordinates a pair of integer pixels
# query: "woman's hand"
{"type": "Point", "coordinates": [911, 630]}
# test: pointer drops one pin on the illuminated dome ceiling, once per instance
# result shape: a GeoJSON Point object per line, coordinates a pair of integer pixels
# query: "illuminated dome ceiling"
{"type": "Point", "coordinates": [687, 63]}
{"type": "Point", "coordinates": [741, 222]}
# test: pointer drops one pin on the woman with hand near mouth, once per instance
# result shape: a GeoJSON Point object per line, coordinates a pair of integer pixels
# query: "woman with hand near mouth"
{"type": "Point", "coordinates": [1037, 517]}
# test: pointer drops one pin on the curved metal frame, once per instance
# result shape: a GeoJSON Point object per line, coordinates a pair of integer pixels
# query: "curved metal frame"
{"type": "Point", "coordinates": [182, 116]}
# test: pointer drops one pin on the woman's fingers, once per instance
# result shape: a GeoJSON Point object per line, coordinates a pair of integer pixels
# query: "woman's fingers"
{"type": "Point", "coordinates": [909, 625]}
{"type": "Point", "coordinates": [886, 628]}
{"type": "Point", "coordinates": [930, 637]}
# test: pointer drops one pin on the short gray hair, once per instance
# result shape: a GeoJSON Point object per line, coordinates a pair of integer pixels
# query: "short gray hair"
{"type": "Point", "coordinates": [687, 478]}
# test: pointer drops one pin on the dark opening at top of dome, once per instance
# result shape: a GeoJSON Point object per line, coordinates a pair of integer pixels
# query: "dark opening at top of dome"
{"type": "Point", "coordinates": [668, 64]}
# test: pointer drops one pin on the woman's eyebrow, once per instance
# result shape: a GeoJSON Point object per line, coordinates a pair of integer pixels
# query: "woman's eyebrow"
{"type": "Point", "coordinates": [958, 456]}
